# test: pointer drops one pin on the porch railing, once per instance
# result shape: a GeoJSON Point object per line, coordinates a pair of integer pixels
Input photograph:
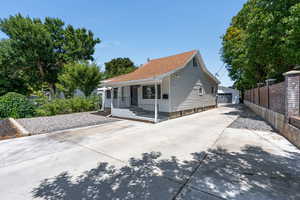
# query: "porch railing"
{"type": "Point", "coordinates": [125, 102]}
{"type": "Point", "coordinates": [122, 102]}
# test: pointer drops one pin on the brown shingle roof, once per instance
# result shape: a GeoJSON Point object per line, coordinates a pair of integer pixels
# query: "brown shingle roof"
{"type": "Point", "coordinates": [155, 67]}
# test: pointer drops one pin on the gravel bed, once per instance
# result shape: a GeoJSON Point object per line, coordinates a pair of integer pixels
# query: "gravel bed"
{"type": "Point", "coordinates": [39, 125]}
{"type": "Point", "coordinates": [249, 120]}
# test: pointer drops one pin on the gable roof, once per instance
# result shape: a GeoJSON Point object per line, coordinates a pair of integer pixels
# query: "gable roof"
{"type": "Point", "coordinates": [156, 67]}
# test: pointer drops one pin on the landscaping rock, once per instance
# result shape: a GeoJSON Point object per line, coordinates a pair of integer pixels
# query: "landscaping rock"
{"type": "Point", "coordinates": [249, 120]}
{"type": "Point", "coordinates": [39, 125]}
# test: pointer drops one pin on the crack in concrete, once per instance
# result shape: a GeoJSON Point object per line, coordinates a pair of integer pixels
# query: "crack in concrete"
{"type": "Point", "coordinates": [185, 184]}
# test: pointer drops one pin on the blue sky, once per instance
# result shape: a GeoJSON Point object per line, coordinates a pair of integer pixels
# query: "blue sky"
{"type": "Point", "coordinates": [140, 29]}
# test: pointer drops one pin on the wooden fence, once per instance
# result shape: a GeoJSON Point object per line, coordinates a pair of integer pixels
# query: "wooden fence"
{"type": "Point", "coordinates": [271, 97]}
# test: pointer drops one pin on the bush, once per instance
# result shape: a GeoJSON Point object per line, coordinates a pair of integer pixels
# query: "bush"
{"type": "Point", "coordinates": [65, 106]}
{"type": "Point", "coordinates": [16, 105]}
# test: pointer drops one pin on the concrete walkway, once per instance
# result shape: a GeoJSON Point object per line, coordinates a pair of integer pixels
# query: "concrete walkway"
{"type": "Point", "coordinates": [193, 157]}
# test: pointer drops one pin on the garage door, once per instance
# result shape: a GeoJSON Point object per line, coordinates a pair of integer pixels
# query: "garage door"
{"type": "Point", "coordinates": [225, 98]}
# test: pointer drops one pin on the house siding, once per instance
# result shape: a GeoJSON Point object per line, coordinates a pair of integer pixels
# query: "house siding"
{"type": "Point", "coordinates": [148, 104]}
{"type": "Point", "coordinates": [184, 91]}
{"type": "Point", "coordinates": [235, 93]}
{"type": "Point", "coordinates": [125, 103]}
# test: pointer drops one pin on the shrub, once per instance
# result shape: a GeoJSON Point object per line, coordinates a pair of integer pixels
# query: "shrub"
{"type": "Point", "coordinates": [65, 106]}
{"type": "Point", "coordinates": [16, 105]}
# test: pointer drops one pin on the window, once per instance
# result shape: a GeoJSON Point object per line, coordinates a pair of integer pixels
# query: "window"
{"type": "Point", "coordinates": [149, 92]}
{"type": "Point", "coordinates": [212, 90]}
{"type": "Point", "coordinates": [115, 93]}
{"type": "Point", "coordinates": [108, 94]}
{"type": "Point", "coordinates": [195, 64]}
{"type": "Point", "coordinates": [200, 91]}
{"type": "Point", "coordinates": [122, 94]}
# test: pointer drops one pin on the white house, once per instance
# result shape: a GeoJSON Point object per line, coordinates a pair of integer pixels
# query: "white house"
{"type": "Point", "coordinates": [228, 95]}
{"type": "Point", "coordinates": [162, 88]}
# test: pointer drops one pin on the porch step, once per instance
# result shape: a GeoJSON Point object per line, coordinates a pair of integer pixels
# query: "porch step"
{"type": "Point", "coordinates": [140, 114]}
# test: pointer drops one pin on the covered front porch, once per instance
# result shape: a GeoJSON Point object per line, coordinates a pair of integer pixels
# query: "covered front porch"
{"type": "Point", "coordinates": [145, 101]}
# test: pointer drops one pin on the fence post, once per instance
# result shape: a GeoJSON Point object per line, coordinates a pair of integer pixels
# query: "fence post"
{"type": "Point", "coordinates": [292, 96]}
{"type": "Point", "coordinates": [259, 85]}
{"type": "Point", "coordinates": [258, 94]}
{"type": "Point", "coordinates": [269, 82]}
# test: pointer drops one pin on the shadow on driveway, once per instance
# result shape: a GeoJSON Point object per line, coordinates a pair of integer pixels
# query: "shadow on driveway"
{"type": "Point", "coordinates": [250, 174]}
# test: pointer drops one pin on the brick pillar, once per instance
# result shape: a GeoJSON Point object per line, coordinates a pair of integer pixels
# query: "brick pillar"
{"type": "Point", "coordinates": [292, 96]}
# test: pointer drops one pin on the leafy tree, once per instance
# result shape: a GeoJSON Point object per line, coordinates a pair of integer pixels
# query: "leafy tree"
{"type": "Point", "coordinates": [41, 48]}
{"type": "Point", "coordinates": [66, 82]}
{"type": "Point", "coordinates": [262, 41]}
{"type": "Point", "coordinates": [10, 79]}
{"type": "Point", "coordinates": [118, 66]}
{"type": "Point", "coordinates": [80, 75]}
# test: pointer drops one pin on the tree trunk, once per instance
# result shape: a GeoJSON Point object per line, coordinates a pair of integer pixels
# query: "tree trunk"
{"type": "Point", "coordinates": [39, 65]}
{"type": "Point", "coordinates": [52, 88]}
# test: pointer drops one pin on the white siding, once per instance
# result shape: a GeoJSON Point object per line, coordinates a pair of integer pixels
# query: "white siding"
{"type": "Point", "coordinates": [183, 90]}
{"type": "Point", "coordinates": [148, 104]}
{"type": "Point", "coordinates": [185, 86]}
{"type": "Point", "coordinates": [125, 103]}
{"type": "Point", "coordinates": [235, 93]}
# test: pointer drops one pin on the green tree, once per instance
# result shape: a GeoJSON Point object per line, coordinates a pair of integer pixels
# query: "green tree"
{"type": "Point", "coordinates": [66, 82]}
{"type": "Point", "coordinates": [118, 66]}
{"type": "Point", "coordinates": [10, 79]}
{"type": "Point", "coordinates": [43, 47]}
{"type": "Point", "coordinates": [262, 41]}
{"type": "Point", "coordinates": [80, 75]}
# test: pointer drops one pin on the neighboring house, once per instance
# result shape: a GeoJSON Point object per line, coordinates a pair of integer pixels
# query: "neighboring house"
{"type": "Point", "coordinates": [162, 88]}
{"type": "Point", "coordinates": [228, 95]}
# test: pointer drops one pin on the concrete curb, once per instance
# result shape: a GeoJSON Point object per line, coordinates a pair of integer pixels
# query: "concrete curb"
{"type": "Point", "coordinates": [19, 127]}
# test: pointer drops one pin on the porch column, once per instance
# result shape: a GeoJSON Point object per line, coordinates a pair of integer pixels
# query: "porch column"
{"type": "Point", "coordinates": [111, 98]}
{"type": "Point", "coordinates": [103, 99]}
{"type": "Point", "coordinates": [155, 104]}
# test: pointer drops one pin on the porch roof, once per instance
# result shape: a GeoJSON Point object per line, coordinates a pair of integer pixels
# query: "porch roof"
{"type": "Point", "coordinates": [153, 69]}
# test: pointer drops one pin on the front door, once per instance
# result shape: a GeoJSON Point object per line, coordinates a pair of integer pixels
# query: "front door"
{"type": "Point", "coordinates": [134, 95]}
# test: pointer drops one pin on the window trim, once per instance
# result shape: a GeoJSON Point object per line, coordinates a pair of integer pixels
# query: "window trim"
{"type": "Point", "coordinates": [108, 94]}
{"type": "Point", "coordinates": [152, 86]}
{"type": "Point", "coordinates": [115, 91]}
{"type": "Point", "coordinates": [200, 91]}
{"type": "Point", "coordinates": [122, 93]}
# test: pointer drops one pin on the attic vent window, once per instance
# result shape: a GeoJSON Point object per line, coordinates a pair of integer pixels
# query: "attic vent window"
{"type": "Point", "coordinates": [200, 92]}
{"type": "Point", "coordinates": [195, 64]}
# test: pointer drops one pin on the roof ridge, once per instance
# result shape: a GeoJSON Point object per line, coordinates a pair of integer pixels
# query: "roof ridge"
{"type": "Point", "coordinates": [156, 67]}
{"type": "Point", "coordinates": [173, 55]}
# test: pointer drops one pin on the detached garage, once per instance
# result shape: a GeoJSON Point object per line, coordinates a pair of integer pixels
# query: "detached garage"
{"type": "Point", "coordinates": [228, 95]}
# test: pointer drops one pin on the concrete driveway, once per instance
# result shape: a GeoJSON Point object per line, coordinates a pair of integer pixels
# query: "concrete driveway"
{"type": "Point", "coordinates": [201, 156]}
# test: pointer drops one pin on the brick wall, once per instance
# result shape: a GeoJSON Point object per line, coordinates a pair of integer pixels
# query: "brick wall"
{"type": "Point", "coordinates": [279, 104]}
